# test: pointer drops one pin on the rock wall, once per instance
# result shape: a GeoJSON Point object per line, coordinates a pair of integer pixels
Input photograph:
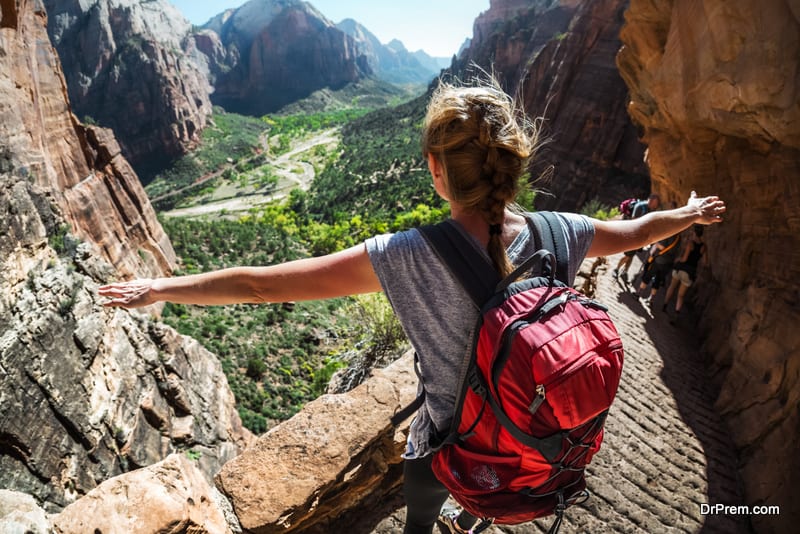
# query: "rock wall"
{"type": "Point", "coordinates": [130, 66]}
{"type": "Point", "coordinates": [87, 392]}
{"type": "Point", "coordinates": [715, 86]}
{"type": "Point", "coordinates": [79, 169]}
{"type": "Point", "coordinates": [558, 58]}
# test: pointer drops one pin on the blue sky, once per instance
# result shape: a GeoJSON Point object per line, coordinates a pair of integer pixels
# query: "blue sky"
{"type": "Point", "coordinates": [437, 26]}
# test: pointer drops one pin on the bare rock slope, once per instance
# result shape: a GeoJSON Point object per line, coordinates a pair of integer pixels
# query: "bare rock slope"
{"type": "Point", "coordinates": [558, 59]}
{"type": "Point", "coordinates": [133, 67]}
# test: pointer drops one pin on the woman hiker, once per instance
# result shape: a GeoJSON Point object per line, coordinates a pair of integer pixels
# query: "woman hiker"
{"type": "Point", "coordinates": [478, 145]}
{"type": "Point", "coordinates": [685, 269]}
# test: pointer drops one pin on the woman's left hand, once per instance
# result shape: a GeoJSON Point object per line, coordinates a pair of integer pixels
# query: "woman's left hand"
{"type": "Point", "coordinates": [710, 208]}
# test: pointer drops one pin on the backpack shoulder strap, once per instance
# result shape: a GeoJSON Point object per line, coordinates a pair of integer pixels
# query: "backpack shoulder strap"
{"type": "Point", "coordinates": [676, 239]}
{"type": "Point", "coordinates": [478, 278]}
{"type": "Point", "coordinates": [548, 235]}
{"type": "Point", "coordinates": [475, 274]}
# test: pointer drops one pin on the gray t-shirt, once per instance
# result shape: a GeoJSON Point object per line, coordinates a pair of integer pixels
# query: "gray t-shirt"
{"type": "Point", "coordinates": [437, 315]}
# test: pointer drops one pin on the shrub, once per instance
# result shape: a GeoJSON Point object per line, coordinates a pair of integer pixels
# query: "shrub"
{"type": "Point", "coordinates": [596, 209]}
{"type": "Point", "coordinates": [256, 368]}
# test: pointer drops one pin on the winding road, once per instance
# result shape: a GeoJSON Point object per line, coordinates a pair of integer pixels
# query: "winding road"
{"type": "Point", "coordinates": [293, 172]}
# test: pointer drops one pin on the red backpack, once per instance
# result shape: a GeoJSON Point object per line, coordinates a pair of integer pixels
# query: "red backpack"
{"type": "Point", "coordinates": [626, 207]}
{"type": "Point", "coordinates": [536, 388]}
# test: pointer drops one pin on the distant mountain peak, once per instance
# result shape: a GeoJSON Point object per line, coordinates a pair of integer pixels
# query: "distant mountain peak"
{"type": "Point", "coordinates": [397, 45]}
{"type": "Point", "coordinates": [270, 53]}
{"type": "Point", "coordinates": [249, 19]}
{"type": "Point", "coordinates": [358, 31]}
{"type": "Point", "coordinates": [391, 62]}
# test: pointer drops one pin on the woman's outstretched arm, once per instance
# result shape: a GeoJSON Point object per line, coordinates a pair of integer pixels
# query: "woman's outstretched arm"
{"type": "Point", "coordinates": [348, 272]}
{"type": "Point", "coordinates": [611, 237]}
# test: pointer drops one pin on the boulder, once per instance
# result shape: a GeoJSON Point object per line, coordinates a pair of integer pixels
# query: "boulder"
{"type": "Point", "coordinates": [334, 465]}
{"type": "Point", "coordinates": [170, 496]}
{"type": "Point", "coordinates": [19, 514]}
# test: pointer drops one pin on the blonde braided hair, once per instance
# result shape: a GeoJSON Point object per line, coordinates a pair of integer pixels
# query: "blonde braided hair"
{"type": "Point", "coordinates": [484, 144]}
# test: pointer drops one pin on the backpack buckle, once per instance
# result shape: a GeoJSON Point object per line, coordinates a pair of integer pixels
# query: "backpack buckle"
{"type": "Point", "coordinates": [476, 384]}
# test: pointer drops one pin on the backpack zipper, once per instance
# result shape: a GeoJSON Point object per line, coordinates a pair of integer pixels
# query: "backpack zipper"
{"type": "Point", "coordinates": [538, 399]}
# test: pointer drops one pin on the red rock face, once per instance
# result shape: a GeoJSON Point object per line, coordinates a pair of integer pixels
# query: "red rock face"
{"type": "Point", "coordinates": [130, 67]}
{"type": "Point", "coordinates": [88, 392]}
{"type": "Point", "coordinates": [714, 86]}
{"type": "Point", "coordinates": [294, 54]}
{"type": "Point", "coordinates": [80, 170]}
{"type": "Point", "coordinates": [559, 59]}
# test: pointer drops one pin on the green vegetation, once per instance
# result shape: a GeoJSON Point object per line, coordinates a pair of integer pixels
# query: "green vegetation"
{"type": "Point", "coordinates": [66, 304]}
{"type": "Point", "coordinates": [596, 209]}
{"type": "Point", "coordinates": [295, 125]}
{"type": "Point", "coordinates": [380, 173]}
{"type": "Point", "coordinates": [366, 94]}
{"type": "Point", "coordinates": [194, 455]}
{"type": "Point", "coordinates": [277, 357]}
{"type": "Point", "coordinates": [58, 240]}
{"type": "Point", "coordinates": [270, 353]}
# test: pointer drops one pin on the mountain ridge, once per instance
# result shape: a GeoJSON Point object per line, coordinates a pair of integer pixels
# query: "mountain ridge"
{"type": "Point", "coordinates": [392, 61]}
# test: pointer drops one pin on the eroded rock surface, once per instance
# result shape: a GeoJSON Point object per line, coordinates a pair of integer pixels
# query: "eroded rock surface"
{"type": "Point", "coordinates": [45, 151]}
{"type": "Point", "coordinates": [132, 66]}
{"type": "Point", "coordinates": [90, 392]}
{"type": "Point", "coordinates": [715, 87]}
{"type": "Point", "coordinates": [87, 392]}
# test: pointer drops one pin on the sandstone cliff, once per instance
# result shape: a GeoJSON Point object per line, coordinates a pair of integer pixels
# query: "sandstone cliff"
{"type": "Point", "coordinates": [87, 392]}
{"type": "Point", "coordinates": [277, 52]}
{"type": "Point", "coordinates": [47, 153]}
{"type": "Point", "coordinates": [559, 60]}
{"type": "Point", "coordinates": [132, 66]}
{"type": "Point", "coordinates": [715, 87]}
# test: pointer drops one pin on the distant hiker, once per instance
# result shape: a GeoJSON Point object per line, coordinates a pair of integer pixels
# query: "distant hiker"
{"type": "Point", "coordinates": [626, 207]}
{"type": "Point", "coordinates": [478, 147]}
{"type": "Point", "coordinates": [685, 269]}
{"type": "Point", "coordinates": [659, 265]}
{"type": "Point", "coordinates": [638, 209]}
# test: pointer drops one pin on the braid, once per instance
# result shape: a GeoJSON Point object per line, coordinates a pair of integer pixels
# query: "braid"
{"type": "Point", "coordinates": [504, 187]}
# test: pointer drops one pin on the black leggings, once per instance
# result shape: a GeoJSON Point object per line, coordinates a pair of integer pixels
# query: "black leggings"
{"type": "Point", "coordinates": [424, 496]}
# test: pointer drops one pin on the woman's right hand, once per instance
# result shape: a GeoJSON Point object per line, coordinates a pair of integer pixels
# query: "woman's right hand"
{"type": "Point", "coordinates": [132, 294]}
